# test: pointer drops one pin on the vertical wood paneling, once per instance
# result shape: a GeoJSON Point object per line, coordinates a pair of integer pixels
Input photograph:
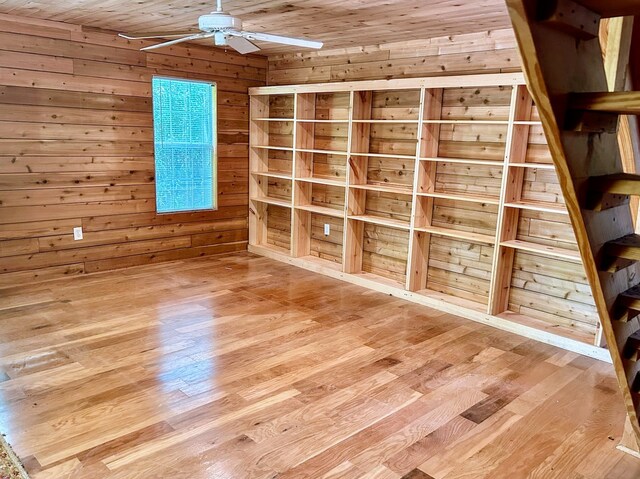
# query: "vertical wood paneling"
{"type": "Point", "coordinates": [76, 149]}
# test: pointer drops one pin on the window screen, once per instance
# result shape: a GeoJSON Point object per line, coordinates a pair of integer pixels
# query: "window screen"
{"type": "Point", "coordinates": [184, 144]}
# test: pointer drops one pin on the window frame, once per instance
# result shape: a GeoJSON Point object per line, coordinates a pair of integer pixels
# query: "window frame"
{"type": "Point", "coordinates": [214, 142]}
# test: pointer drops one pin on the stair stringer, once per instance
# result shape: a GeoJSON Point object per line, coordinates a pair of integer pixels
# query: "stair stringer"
{"type": "Point", "coordinates": [555, 65]}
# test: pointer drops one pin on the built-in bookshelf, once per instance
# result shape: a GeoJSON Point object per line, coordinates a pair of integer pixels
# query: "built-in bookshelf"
{"type": "Point", "coordinates": [439, 190]}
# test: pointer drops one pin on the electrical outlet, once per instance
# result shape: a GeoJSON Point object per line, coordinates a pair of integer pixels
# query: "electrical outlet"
{"type": "Point", "coordinates": [327, 229]}
{"type": "Point", "coordinates": [77, 233]}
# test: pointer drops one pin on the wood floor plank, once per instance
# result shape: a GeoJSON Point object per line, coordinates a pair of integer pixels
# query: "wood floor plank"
{"type": "Point", "coordinates": [238, 366]}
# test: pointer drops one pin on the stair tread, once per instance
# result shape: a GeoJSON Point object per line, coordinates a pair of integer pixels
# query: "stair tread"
{"type": "Point", "coordinates": [630, 301]}
{"type": "Point", "coordinates": [632, 293]}
{"type": "Point", "coordinates": [616, 183]}
{"type": "Point", "coordinates": [622, 102]}
{"type": "Point", "coordinates": [612, 8]}
{"type": "Point", "coordinates": [632, 346]}
{"type": "Point", "coordinates": [627, 247]}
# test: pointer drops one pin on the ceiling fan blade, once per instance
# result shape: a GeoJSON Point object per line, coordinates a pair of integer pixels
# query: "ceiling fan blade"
{"type": "Point", "coordinates": [178, 40]}
{"type": "Point", "coordinates": [151, 35]}
{"type": "Point", "coordinates": [241, 44]}
{"type": "Point", "coordinates": [268, 37]}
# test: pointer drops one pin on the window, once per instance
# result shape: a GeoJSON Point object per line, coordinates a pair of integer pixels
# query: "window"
{"type": "Point", "coordinates": [184, 122]}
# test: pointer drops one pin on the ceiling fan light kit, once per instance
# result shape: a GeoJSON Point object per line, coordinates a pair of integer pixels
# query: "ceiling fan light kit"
{"type": "Point", "coordinates": [226, 31]}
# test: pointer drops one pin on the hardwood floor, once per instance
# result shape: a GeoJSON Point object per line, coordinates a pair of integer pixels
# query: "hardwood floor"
{"type": "Point", "coordinates": [238, 366]}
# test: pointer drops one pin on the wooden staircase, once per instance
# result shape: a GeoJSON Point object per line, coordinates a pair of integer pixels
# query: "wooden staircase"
{"type": "Point", "coordinates": [563, 62]}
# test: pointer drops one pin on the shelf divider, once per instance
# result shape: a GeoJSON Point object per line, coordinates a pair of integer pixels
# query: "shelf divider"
{"type": "Point", "coordinates": [424, 182]}
{"type": "Point", "coordinates": [511, 192]}
{"type": "Point", "coordinates": [361, 105]}
{"type": "Point", "coordinates": [303, 138]}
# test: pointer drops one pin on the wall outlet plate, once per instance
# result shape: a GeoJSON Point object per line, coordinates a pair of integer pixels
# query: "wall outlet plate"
{"type": "Point", "coordinates": [77, 233]}
{"type": "Point", "coordinates": [327, 229]}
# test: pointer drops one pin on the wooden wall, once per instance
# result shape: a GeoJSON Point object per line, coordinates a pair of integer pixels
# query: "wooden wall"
{"type": "Point", "coordinates": [486, 52]}
{"type": "Point", "coordinates": [76, 150]}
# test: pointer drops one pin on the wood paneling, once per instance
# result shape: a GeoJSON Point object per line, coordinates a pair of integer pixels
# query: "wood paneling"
{"type": "Point", "coordinates": [485, 52]}
{"type": "Point", "coordinates": [341, 24]}
{"type": "Point", "coordinates": [76, 149]}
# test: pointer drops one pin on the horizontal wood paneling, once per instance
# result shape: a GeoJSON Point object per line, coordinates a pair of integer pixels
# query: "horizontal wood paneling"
{"type": "Point", "coordinates": [76, 149]}
{"type": "Point", "coordinates": [485, 52]}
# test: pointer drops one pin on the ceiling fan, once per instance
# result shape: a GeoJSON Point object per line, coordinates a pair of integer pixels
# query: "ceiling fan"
{"type": "Point", "coordinates": [225, 31]}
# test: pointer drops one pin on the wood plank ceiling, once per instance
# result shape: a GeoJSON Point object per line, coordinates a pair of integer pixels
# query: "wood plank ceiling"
{"type": "Point", "coordinates": [339, 23]}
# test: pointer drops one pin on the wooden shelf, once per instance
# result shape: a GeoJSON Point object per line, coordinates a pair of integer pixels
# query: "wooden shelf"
{"type": "Point", "coordinates": [322, 210]}
{"type": "Point", "coordinates": [324, 152]}
{"type": "Point", "coordinates": [378, 220]}
{"type": "Point", "coordinates": [309, 120]}
{"type": "Point", "coordinates": [273, 174]}
{"type": "Point", "coordinates": [413, 121]}
{"type": "Point", "coordinates": [457, 234]}
{"type": "Point", "coordinates": [543, 249]}
{"type": "Point", "coordinates": [471, 122]}
{"type": "Point", "coordinates": [462, 197]}
{"type": "Point", "coordinates": [273, 201]}
{"type": "Point", "coordinates": [273, 119]}
{"type": "Point", "coordinates": [278, 148]}
{"type": "Point", "coordinates": [539, 166]}
{"type": "Point", "coordinates": [385, 155]}
{"type": "Point", "coordinates": [531, 123]}
{"type": "Point", "coordinates": [465, 160]}
{"type": "Point", "coordinates": [547, 207]}
{"type": "Point", "coordinates": [324, 181]}
{"type": "Point", "coordinates": [384, 188]}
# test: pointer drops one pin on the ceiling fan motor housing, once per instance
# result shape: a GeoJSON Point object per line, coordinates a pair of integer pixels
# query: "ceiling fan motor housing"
{"type": "Point", "coordinates": [219, 21]}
